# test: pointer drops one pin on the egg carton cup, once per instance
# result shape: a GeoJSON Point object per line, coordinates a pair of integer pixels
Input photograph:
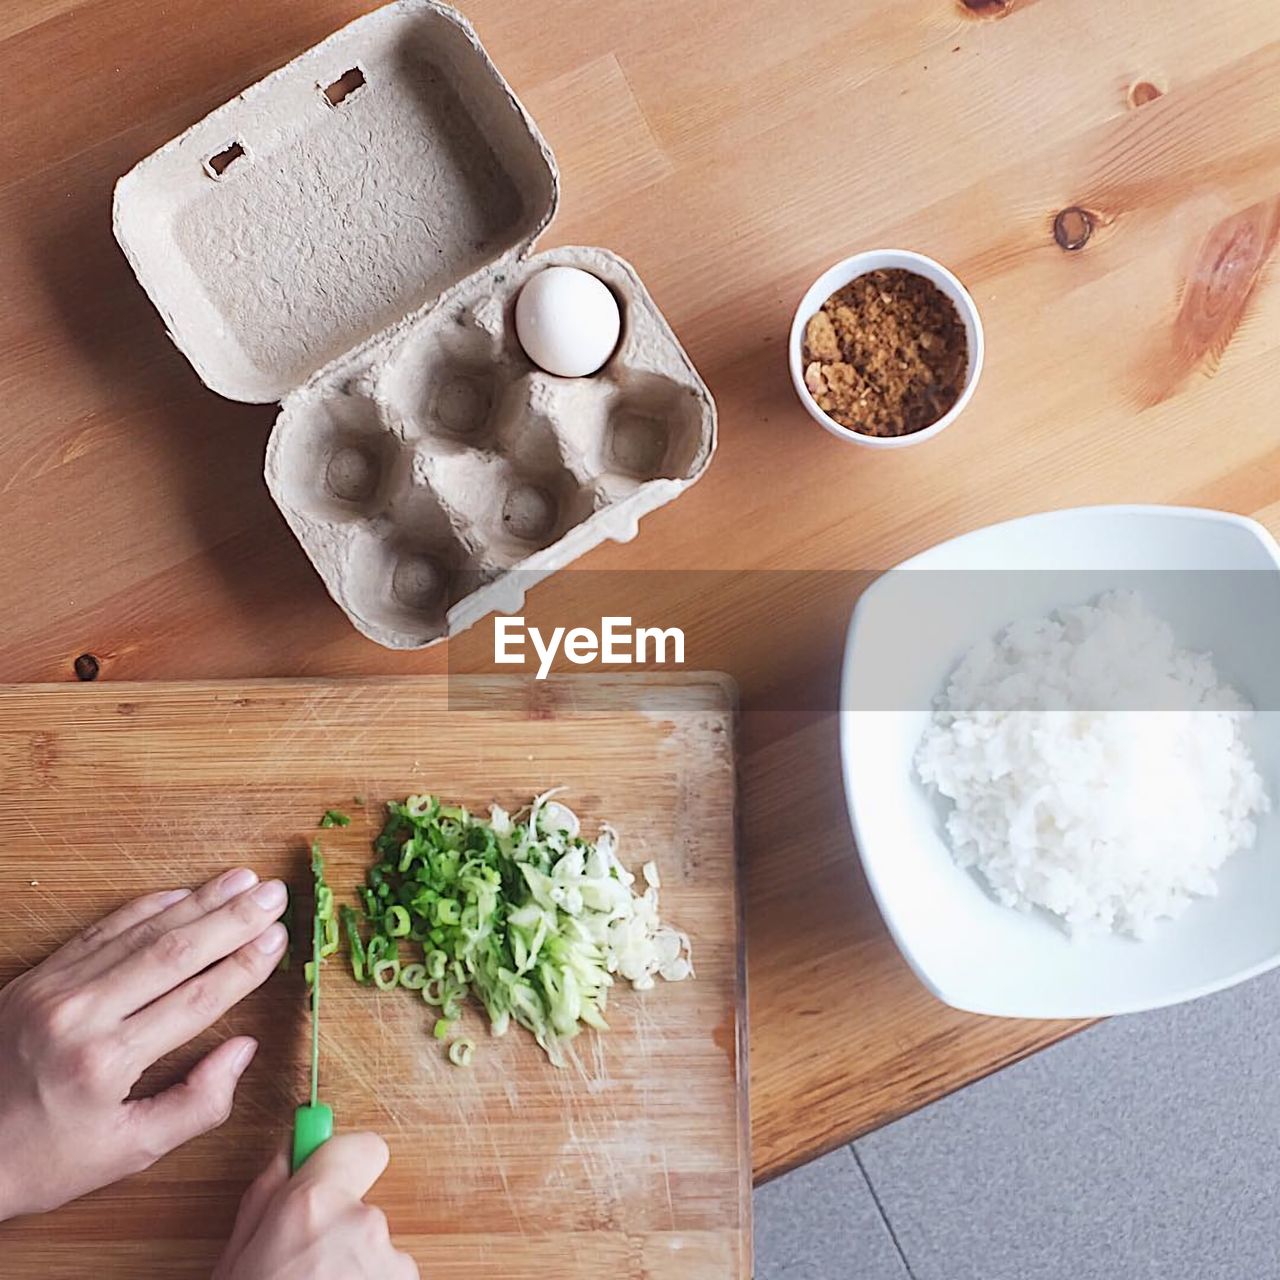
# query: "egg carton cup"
{"type": "Point", "coordinates": [420, 471]}
{"type": "Point", "coordinates": [349, 236]}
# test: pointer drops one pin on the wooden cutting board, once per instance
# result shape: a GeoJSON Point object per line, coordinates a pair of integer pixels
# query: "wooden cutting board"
{"type": "Point", "coordinates": [633, 1162]}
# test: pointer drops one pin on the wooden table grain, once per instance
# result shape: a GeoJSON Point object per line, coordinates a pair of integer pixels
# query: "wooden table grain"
{"type": "Point", "coordinates": [1105, 178]}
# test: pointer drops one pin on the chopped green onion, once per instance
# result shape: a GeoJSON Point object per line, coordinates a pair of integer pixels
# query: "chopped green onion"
{"type": "Point", "coordinates": [355, 943]}
{"type": "Point", "coordinates": [380, 948]}
{"type": "Point", "coordinates": [460, 1053]}
{"type": "Point", "coordinates": [329, 936]}
{"type": "Point", "coordinates": [518, 910]}
{"type": "Point", "coordinates": [334, 818]}
{"type": "Point", "coordinates": [442, 1028]}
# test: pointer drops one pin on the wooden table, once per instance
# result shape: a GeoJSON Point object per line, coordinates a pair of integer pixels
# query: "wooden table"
{"type": "Point", "coordinates": [731, 151]}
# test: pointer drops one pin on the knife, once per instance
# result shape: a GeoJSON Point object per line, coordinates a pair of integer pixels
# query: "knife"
{"type": "Point", "coordinates": [313, 1121]}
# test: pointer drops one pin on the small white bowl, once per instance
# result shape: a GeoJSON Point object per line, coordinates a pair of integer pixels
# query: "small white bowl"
{"type": "Point", "coordinates": [836, 278]}
{"type": "Point", "coordinates": [907, 633]}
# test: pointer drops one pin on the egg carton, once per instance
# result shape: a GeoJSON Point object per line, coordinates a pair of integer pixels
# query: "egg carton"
{"type": "Point", "coordinates": [349, 236]}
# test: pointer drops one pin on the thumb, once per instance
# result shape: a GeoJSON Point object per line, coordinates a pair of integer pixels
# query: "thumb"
{"type": "Point", "coordinates": [255, 1204]}
{"type": "Point", "coordinates": [200, 1103]}
{"type": "Point", "coordinates": [349, 1163]}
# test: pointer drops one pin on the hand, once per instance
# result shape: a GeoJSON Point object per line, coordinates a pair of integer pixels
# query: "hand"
{"type": "Point", "coordinates": [78, 1030]}
{"type": "Point", "coordinates": [315, 1226]}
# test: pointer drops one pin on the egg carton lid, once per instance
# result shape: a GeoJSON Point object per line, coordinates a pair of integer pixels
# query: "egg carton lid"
{"type": "Point", "coordinates": [335, 199]}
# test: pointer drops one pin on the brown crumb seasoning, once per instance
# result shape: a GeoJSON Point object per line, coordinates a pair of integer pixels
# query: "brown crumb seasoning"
{"type": "Point", "coordinates": [886, 355]}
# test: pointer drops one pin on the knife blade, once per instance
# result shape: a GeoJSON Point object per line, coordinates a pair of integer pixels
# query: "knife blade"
{"type": "Point", "coordinates": [313, 1121]}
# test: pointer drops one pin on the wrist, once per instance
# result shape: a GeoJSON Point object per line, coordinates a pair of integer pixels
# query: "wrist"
{"type": "Point", "coordinates": [9, 1206]}
{"type": "Point", "coordinates": [19, 1195]}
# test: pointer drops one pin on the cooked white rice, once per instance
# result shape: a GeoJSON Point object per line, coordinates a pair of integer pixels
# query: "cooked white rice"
{"type": "Point", "coordinates": [1112, 819]}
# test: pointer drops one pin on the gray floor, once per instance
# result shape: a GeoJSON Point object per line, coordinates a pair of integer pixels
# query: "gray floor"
{"type": "Point", "coordinates": [1147, 1148]}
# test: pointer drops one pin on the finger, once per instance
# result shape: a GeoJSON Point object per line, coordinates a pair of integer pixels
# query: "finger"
{"type": "Point", "coordinates": [201, 1102]}
{"type": "Point", "coordinates": [350, 1163]}
{"type": "Point", "coordinates": [408, 1268]}
{"type": "Point", "coordinates": [181, 953]}
{"type": "Point", "coordinates": [113, 925]}
{"type": "Point", "coordinates": [196, 1005]}
{"type": "Point", "coordinates": [256, 1201]}
{"type": "Point", "coordinates": [144, 933]}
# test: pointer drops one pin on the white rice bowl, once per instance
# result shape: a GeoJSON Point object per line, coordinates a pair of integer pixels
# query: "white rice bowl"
{"type": "Point", "coordinates": [1095, 769]}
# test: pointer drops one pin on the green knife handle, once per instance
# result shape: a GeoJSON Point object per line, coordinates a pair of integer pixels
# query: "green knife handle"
{"type": "Point", "coordinates": [312, 1128]}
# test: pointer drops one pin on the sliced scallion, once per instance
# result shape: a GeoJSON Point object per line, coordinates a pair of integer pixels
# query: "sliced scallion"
{"type": "Point", "coordinates": [519, 911]}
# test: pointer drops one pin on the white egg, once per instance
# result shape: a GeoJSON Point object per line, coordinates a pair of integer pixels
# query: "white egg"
{"type": "Point", "coordinates": [567, 321]}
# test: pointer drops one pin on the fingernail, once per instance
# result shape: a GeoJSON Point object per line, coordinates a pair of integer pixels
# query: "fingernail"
{"type": "Point", "coordinates": [272, 940]}
{"type": "Point", "coordinates": [244, 1057]}
{"type": "Point", "coordinates": [172, 896]}
{"type": "Point", "coordinates": [236, 882]}
{"type": "Point", "coordinates": [271, 896]}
